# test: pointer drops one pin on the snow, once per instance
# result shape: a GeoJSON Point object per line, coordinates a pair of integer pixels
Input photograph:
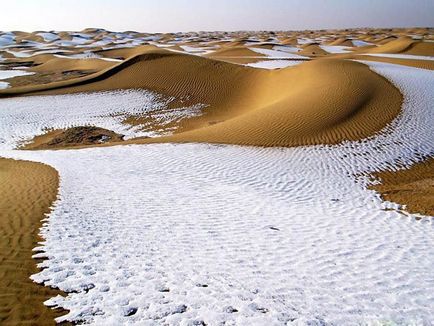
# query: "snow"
{"type": "Point", "coordinates": [51, 51]}
{"type": "Point", "coordinates": [23, 118]}
{"type": "Point", "coordinates": [99, 43]}
{"type": "Point", "coordinates": [360, 43]}
{"type": "Point", "coordinates": [49, 37]}
{"type": "Point", "coordinates": [275, 64]}
{"type": "Point", "coordinates": [401, 56]}
{"type": "Point", "coordinates": [190, 233]}
{"type": "Point", "coordinates": [197, 50]}
{"type": "Point", "coordinates": [304, 40]}
{"type": "Point", "coordinates": [7, 39]}
{"type": "Point", "coordinates": [20, 54]}
{"type": "Point", "coordinates": [286, 48]}
{"type": "Point", "coordinates": [335, 48]}
{"type": "Point", "coordinates": [6, 74]}
{"type": "Point", "coordinates": [4, 85]}
{"type": "Point", "coordinates": [273, 54]}
{"type": "Point", "coordinates": [75, 41]}
{"type": "Point", "coordinates": [86, 55]}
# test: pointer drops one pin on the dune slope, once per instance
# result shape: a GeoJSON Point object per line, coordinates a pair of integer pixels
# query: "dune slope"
{"type": "Point", "coordinates": [28, 189]}
{"type": "Point", "coordinates": [413, 187]}
{"type": "Point", "coordinates": [324, 101]}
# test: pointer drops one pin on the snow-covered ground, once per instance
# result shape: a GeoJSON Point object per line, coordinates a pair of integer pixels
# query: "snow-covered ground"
{"type": "Point", "coordinates": [401, 56]}
{"type": "Point", "coordinates": [6, 74]}
{"type": "Point", "coordinates": [23, 118]}
{"type": "Point", "coordinates": [360, 43]}
{"type": "Point", "coordinates": [86, 55]}
{"type": "Point", "coordinates": [286, 48]}
{"type": "Point", "coordinates": [191, 233]}
{"type": "Point", "coordinates": [335, 48]}
{"type": "Point", "coordinates": [49, 37]}
{"type": "Point", "coordinates": [7, 39]}
{"type": "Point", "coordinates": [274, 54]}
{"type": "Point", "coordinates": [275, 64]}
{"type": "Point", "coordinates": [198, 50]}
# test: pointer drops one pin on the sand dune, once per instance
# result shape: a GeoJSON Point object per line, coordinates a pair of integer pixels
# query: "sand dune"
{"type": "Point", "coordinates": [324, 101]}
{"type": "Point", "coordinates": [28, 189]}
{"type": "Point", "coordinates": [125, 53]}
{"type": "Point", "coordinates": [406, 45]}
{"type": "Point", "coordinates": [63, 64]}
{"type": "Point", "coordinates": [234, 51]}
{"type": "Point", "coordinates": [342, 42]}
{"type": "Point", "coordinates": [259, 204]}
{"type": "Point", "coordinates": [312, 50]}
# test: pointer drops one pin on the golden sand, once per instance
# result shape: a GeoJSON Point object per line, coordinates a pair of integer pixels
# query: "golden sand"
{"type": "Point", "coordinates": [319, 102]}
{"type": "Point", "coordinates": [28, 190]}
{"type": "Point", "coordinates": [413, 187]}
{"type": "Point", "coordinates": [325, 101]}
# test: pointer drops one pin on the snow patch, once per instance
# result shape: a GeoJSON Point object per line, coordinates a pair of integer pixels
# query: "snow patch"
{"type": "Point", "coordinates": [275, 64]}
{"type": "Point", "coordinates": [197, 233]}
{"type": "Point", "coordinates": [335, 48]}
{"type": "Point", "coordinates": [401, 56]}
{"type": "Point", "coordinates": [23, 118]}
{"type": "Point", "coordinates": [6, 74]}
{"type": "Point", "coordinates": [273, 54]}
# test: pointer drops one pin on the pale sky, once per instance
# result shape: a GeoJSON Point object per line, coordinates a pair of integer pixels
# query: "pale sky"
{"type": "Point", "coordinates": [211, 15]}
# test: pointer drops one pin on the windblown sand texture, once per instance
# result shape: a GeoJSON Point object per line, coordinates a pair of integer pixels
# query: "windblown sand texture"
{"type": "Point", "coordinates": [27, 191]}
{"type": "Point", "coordinates": [96, 86]}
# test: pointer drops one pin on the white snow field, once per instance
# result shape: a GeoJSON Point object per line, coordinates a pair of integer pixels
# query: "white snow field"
{"type": "Point", "coordinates": [401, 56]}
{"type": "Point", "coordinates": [6, 74]}
{"type": "Point", "coordinates": [335, 48]}
{"type": "Point", "coordinates": [23, 118]}
{"type": "Point", "coordinates": [195, 233]}
{"type": "Point", "coordinates": [274, 54]}
{"type": "Point", "coordinates": [360, 43]}
{"type": "Point", "coordinates": [275, 64]}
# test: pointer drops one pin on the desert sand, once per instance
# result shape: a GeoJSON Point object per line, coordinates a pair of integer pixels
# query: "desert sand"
{"type": "Point", "coordinates": [329, 95]}
{"type": "Point", "coordinates": [28, 190]}
{"type": "Point", "coordinates": [303, 105]}
{"type": "Point", "coordinates": [412, 187]}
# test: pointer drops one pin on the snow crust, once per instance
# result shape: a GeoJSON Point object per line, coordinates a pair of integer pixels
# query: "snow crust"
{"type": "Point", "coordinates": [277, 54]}
{"type": "Point", "coordinates": [195, 233]}
{"type": "Point", "coordinates": [286, 48]}
{"type": "Point", "coordinates": [275, 64]}
{"type": "Point", "coordinates": [20, 54]}
{"type": "Point", "coordinates": [49, 37]}
{"type": "Point", "coordinates": [7, 39]}
{"type": "Point", "coordinates": [86, 55]}
{"type": "Point", "coordinates": [6, 74]}
{"type": "Point", "coordinates": [401, 56]}
{"type": "Point", "coordinates": [197, 50]}
{"type": "Point", "coordinates": [23, 118]}
{"type": "Point", "coordinates": [335, 48]}
{"type": "Point", "coordinates": [360, 43]}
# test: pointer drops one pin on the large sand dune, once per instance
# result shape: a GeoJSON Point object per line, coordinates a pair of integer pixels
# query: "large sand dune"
{"type": "Point", "coordinates": [324, 101]}
{"type": "Point", "coordinates": [198, 233]}
{"type": "Point", "coordinates": [198, 88]}
{"type": "Point", "coordinates": [27, 192]}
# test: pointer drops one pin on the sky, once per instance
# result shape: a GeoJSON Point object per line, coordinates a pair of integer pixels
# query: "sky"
{"type": "Point", "coordinates": [212, 15]}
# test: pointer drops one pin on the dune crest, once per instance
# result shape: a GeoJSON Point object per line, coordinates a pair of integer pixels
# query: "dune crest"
{"type": "Point", "coordinates": [320, 102]}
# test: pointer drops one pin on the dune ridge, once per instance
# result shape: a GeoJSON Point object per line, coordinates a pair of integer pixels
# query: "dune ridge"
{"type": "Point", "coordinates": [320, 102]}
{"type": "Point", "coordinates": [28, 189]}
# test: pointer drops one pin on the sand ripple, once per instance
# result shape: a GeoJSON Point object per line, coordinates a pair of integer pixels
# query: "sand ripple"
{"type": "Point", "coordinates": [184, 234]}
